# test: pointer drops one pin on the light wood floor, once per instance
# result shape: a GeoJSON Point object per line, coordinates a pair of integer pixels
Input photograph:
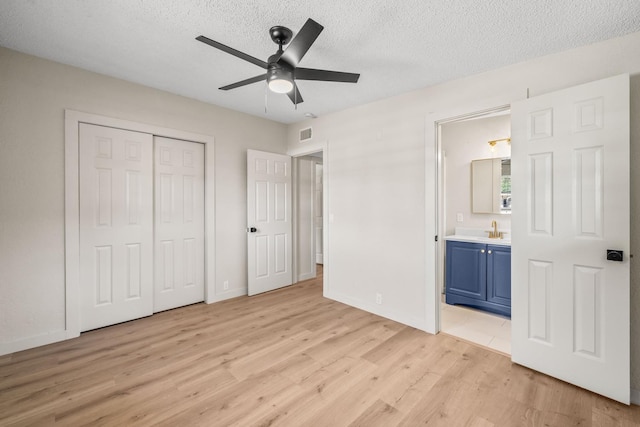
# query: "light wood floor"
{"type": "Point", "coordinates": [287, 358]}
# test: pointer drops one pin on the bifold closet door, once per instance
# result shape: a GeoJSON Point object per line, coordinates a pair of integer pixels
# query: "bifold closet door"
{"type": "Point", "coordinates": [179, 223]}
{"type": "Point", "coordinates": [116, 225]}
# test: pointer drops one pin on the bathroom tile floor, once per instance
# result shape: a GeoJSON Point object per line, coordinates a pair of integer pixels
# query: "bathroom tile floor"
{"type": "Point", "coordinates": [487, 329]}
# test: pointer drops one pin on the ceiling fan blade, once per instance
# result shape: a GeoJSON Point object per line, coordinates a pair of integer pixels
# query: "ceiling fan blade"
{"type": "Point", "coordinates": [301, 43]}
{"type": "Point", "coordinates": [325, 75]}
{"type": "Point", "coordinates": [261, 77]}
{"type": "Point", "coordinates": [232, 51]}
{"type": "Point", "coordinates": [295, 96]}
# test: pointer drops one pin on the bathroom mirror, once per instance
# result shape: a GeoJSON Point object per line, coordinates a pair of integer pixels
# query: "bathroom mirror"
{"type": "Point", "coordinates": [491, 186]}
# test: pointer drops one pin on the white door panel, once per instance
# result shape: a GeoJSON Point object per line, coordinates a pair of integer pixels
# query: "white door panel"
{"type": "Point", "coordinates": [570, 158]}
{"type": "Point", "coordinates": [116, 235]}
{"type": "Point", "coordinates": [269, 214]}
{"type": "Point", "coordinates": [179, 223]}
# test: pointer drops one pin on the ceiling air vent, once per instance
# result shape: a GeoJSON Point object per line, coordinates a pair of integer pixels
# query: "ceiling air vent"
{"type": "Point", "coordinates": [305, 135]}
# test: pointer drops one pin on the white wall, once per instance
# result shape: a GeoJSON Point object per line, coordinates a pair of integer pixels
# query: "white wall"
{"type": "Point", "coordinates": [374, 179]}
{"type": "Point", "coordinates": [33, 96]}
{"type": "Point", "coordinates": [375, 176]}
{"type": "Point", "coordinates": [461, 143]}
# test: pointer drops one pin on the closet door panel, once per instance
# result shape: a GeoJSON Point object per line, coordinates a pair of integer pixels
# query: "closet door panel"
{"type": "Point", "coordinates": [116, 225]}
{"type": "Point", "coordinates": [179, 223]}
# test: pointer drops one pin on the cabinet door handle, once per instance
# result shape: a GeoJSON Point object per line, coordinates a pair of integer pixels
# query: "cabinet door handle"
{"type": "Point", "coordinates": [481, 251]}
{"type": "Point", "coordinates": [489, 251]}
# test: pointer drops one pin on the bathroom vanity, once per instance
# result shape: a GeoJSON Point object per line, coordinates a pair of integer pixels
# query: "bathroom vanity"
{"type": "Point", "coordinates": [478, 273]}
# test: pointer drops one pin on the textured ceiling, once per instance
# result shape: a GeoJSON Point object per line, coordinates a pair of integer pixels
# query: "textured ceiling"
{"type": "Point", "coordinates": [396, 46]}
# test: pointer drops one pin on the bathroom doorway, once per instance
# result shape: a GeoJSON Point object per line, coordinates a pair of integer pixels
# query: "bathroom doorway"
{"type": "Point", "coordinates": [484, 138]}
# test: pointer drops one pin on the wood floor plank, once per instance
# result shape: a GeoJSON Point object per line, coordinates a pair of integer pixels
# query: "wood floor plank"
{"type": "Point", "coordinates": [285, 358]}
{"type": "Point", "coordinates": [379, 414]}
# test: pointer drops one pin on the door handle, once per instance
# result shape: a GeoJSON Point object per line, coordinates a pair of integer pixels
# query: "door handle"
{"type": "Point", "coordinates": [489, 251]}
{"type": "Point", "coordinates": [252, 229]}
{"type": "Point", "coordinates": [481, 251]}
{"type": "Point", "coordinates": [614, 255]}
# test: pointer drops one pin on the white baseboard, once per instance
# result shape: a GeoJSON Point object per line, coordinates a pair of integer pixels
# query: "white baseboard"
{"type": "Point", "coordinates": [307, 276]}
{"type": "Point", "coordinates": [32, 342]}
{"type": "Point", "coordinates": [233, 293]}
{"type": "Point", "coordinates": [377, 310]}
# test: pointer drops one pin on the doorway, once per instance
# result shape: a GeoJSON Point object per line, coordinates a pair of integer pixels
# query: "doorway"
{"type": "Point", "coordinates": [309, 201]}
{"type": "Point", "coordinates": [481, 137]}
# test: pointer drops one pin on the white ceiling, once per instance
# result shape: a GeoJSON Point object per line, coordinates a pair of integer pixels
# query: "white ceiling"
{"type": "Point", "coordinates": [396, 46]}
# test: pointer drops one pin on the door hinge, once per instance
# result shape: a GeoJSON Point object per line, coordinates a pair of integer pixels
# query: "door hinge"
{"type": "Point", "coordinates": [436, 237]}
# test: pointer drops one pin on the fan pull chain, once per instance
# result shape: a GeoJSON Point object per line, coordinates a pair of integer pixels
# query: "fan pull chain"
{"type": "Point", "coordinates": [266, 93]}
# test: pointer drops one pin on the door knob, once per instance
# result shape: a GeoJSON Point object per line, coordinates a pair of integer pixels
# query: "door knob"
{"type": "Point", "coordinates": [481, 251]}
{"type": "Point", "coordinates": [252, 229]}
{"type": "Point", "coordinates": [614, 255]}
{"type": "Point", "coordinates": [489, 251]}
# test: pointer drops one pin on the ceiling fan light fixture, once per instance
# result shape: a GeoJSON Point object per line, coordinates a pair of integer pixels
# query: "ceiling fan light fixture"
{"type": "Point", "coordinates": [280, 79]}
{"type": "Point", "coordinates": [280, 85]}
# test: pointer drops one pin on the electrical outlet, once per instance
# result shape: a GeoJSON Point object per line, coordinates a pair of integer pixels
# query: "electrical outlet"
{"type": "Point", "coordinates": [459, 217]}
{"type": "Point", "coordinates": [225, 285]}
{"type": "Point", "coordinates": [378, 298]}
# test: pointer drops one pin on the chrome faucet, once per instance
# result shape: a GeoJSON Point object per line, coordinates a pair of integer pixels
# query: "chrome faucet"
{"type": "Point", "coordinates": [495, 234]}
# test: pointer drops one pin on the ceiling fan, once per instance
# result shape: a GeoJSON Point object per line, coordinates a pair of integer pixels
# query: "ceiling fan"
{"type": "Point", "coordinates": [282, 67]}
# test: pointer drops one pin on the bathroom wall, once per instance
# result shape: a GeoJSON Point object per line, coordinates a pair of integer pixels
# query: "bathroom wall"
{"type": "Point", "coordinates": [461, 143]}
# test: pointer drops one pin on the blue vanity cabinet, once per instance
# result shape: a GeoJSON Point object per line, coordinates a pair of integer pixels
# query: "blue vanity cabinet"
{"type": "Point", "coordinates": [499, 275]}
{"type": "Point", "coordinates": [466, 271]}
{"type": "Point", "coordinates": [479, 275]}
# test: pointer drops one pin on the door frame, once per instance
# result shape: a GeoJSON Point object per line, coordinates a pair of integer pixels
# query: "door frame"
{"type": "Point", "coordinates": [434, 196]}
{"type": "Point", "coordinates": [324, 147]}
{"type": "Point", "coordinates": [72, 210]}
{"type": "Point", "coordinates": [295, 166]}
{"type": "Point", "coordinates": [441, 182]}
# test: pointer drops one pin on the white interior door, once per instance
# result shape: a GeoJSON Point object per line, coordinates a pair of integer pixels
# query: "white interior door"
{"type": "Point", "coordinates": [179, 223]}
{"type": "Point", "coordinates": [570, 154]}
{"type": "Point", "coordinates": [116, 226]}
{"type": "Point", "coordinates": [268, 221]}
{"type": "Point", "coordinates": [318, 214]}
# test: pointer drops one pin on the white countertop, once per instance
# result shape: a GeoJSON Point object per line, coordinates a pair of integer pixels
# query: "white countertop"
{"type": "Point", "coordinates": [478, 235]}
{"type": "Point", "coordinates": [476, 239]}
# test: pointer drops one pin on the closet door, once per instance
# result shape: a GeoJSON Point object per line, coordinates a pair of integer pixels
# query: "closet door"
{"type": "Point", "coordinates": [116, 226]}
{"type": "Point", "coordinates": [179, 223]}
